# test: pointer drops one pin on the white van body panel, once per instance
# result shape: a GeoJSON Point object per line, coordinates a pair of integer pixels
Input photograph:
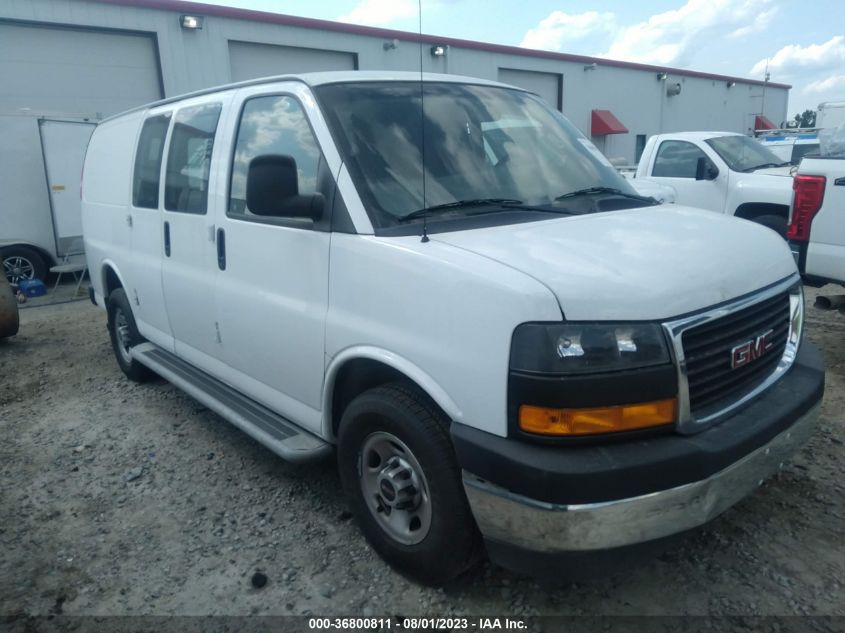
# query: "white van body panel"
{"type": "Point", "coordinates": [106, 196]}
{"type": "Point", "coordinates": [461, 308]}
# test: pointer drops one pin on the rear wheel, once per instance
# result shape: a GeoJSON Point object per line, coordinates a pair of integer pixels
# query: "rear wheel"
{"type": "Point", "coordinates": [23, 262]}
{"type": "Point", "coordinates": [124, 336]}
{"type": "Point", "coordinates": [399, 472]}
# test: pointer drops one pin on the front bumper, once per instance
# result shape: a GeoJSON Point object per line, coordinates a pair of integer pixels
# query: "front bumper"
{"type": "Point", "coordinates": [534, 525]}
{"type": "Point", "coordinates": [766, 432]}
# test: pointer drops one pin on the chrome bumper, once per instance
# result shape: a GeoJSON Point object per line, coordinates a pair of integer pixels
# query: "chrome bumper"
{"type": "Point", "coordinates": [546, 527]}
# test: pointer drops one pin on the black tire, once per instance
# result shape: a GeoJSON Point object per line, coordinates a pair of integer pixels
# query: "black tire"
{"type": "Point", "coordinates": [23, 262]}
{"type": "Point", "coordinates": [777, 223]}
{"type": "Point", "coordinates": [451, 545]}
{"type": "Point", "coordinates": [120, 317]}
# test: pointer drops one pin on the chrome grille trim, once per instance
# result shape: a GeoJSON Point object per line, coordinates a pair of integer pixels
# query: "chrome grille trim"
{"type": "Point", "coordinates": [687, 422]}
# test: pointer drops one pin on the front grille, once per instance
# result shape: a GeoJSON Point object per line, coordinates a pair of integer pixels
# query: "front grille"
{"type": "Point", "coordinates": [708, 350]}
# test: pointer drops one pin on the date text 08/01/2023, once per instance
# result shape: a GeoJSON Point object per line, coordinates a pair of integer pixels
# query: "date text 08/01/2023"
{"type": "Point", "coordinates": [411, 624]}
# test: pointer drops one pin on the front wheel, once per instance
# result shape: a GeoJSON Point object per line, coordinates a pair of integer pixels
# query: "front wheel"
{"type": "Point", "coordinates": [124, 336]}
{"type": "Point", "coordinates": [399, 471]}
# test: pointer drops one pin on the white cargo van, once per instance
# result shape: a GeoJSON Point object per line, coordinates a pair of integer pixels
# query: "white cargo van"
{"type": "Point", "coordinates": [504, 344]}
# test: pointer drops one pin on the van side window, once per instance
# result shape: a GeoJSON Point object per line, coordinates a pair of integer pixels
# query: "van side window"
{"type": "Point", "coordinates": [147, 172]}
{"type": "Point", "coordinates": [677, 159]}
{"type": "Point", "coordinates": [273, 125]}
{"type": "Point", "coordinates": [189, 159]}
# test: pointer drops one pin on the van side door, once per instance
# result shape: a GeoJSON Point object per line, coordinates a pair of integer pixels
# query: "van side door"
{"type": "Point", "coordinates": [273, 264]}
{"type": "Point", "coordinates": [190, 260]}
{"type": "Point", "coordinates": [145, 291]}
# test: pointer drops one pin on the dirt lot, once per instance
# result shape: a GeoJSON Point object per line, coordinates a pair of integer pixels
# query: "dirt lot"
{"type": "Point", "coordinates": [119, 498]}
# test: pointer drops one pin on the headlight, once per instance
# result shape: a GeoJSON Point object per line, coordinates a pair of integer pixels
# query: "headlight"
{"type": "Point", "coordinates": [578, 348]}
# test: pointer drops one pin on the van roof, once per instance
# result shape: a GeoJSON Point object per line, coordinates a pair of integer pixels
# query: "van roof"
{"type": "Point", "coordinates": [321, 79]}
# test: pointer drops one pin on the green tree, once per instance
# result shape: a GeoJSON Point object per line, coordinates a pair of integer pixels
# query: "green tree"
{"type": "Point", "coordinates": [806, 119]}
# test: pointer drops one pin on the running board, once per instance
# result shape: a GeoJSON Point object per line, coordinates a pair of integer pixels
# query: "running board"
{"type": "Point", "coordinates": [281, 436]}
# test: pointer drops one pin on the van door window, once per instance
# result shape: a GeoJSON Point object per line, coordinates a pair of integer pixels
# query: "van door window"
{"type": "Point", "coordinates": [677, 159]}
{"type": "Point", "coordinates": [189, 159]}
{"type": "Point", "coordinates": [273, 125]}
{"type": "Point", "coordinates": [147, 172]}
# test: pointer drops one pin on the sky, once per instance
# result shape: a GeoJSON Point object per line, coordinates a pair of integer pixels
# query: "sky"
{"type": "Point", "coordinates": [802, 42]}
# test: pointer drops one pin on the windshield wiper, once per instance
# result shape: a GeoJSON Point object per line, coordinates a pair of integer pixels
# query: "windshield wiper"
{"type": "Point", "coordinates": [460, 204]}
{"type": "Point", "coordinates": [590, 191]}
{"type": "Point", "coordinates": [764, 165]}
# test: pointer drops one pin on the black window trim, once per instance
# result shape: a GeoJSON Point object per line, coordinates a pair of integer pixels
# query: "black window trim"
{"type": "Point", "coordinates": [289, 222]}
{"type": "Point", "coordinates": [169, 140]}
{"type": "Point", "coordinates": [165, 143]}
{"type": "Point", "coordinates": [675, 140]}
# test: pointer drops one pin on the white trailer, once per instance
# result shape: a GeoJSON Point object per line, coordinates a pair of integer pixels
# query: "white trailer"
{"type": "Point", "coordinates": [40, 221]}
{"type": "Point", "coordinates": [830, 114]}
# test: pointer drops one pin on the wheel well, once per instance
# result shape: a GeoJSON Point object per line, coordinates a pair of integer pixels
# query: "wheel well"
{"type": "Point", "coordinates": [110, 281]}
{"type": "Point", "coordinates": [357, 376]}
{"type": "Point", "coordinates": [751, 210]}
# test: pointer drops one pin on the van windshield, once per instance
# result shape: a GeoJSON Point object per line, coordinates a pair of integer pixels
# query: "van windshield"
{"type": "Point", "coordinates": [476, 143]}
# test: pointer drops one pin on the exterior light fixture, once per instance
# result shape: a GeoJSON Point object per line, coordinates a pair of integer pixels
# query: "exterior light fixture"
{"type": "Point", "coordinates": [438, 51]}
{"type": "Point", "coordinates": [391, 44]}
{"type": "Point", "coordinates": [731, 84]}
{"type": "Point", "coordinates": [590, 67]}
{"type": "Point", "coordinates": [662, 76]}
{"type": "Point", "coordinates": [191, 22]}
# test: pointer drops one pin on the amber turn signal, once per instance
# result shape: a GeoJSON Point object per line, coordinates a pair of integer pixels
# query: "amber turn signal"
{"type": "Point", "coordinates": [628, 417]}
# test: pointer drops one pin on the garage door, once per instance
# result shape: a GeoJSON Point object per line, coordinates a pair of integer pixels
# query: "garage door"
{"type": "Point", "coordinates": [249, 60]}
{"type": "Point", "coordinates": [76, 71]}
{"type": "Point", "coordinates": [547, 85]}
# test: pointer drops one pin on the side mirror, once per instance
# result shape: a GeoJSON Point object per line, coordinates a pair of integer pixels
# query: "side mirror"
{"type": "Point", "coordinates": [705, 169]}
{"type": "Point", "coordinates": [272, 189]}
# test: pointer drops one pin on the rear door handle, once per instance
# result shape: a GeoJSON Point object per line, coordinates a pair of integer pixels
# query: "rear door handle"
{"type": "Point", "coordinates": [167, 238]}
{"type": "Point", "coordinates": [221, 249]}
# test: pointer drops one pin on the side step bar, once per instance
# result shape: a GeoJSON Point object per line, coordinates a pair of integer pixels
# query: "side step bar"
{"type": "Point", "coordinates": [281, 436]}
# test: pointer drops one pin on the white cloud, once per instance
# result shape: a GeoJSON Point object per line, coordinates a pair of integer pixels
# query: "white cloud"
{"type": "Point", "coordinates": [381, 12]}
{"type": "Point", "coordinates": [559, 28]}
{"type": "Point", "coordinates": [673, 37]}
{"type": "Point", "coordinates": [668, 38]}
{"type": "Point", "coordinates": [795, 60]}
{"type": "Point", "coordinates": [758, 23]}
{"type": "Point", "coordinates": [829, 85]}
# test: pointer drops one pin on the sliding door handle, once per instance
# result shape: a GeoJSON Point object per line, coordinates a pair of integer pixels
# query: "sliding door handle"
{"type": "Point", "coordinates": [221, 249]}
{"type": "Point", "coordinates": [167, 239]}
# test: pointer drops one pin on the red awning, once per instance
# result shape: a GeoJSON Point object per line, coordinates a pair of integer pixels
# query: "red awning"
{"type": "Point", "coordinates": [604, 122]}
{"type": "Point", "coordinates": [762, 123]}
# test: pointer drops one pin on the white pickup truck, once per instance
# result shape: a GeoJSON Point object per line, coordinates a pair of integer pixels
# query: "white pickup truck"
{"type": "Point", "coordinates": [817, 221]}
{"type": "Point", "coordinates": [721, 171]}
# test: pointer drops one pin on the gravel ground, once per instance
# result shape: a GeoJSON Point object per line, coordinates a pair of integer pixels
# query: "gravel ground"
{"type": "Point", "coordinates": [119, 498]}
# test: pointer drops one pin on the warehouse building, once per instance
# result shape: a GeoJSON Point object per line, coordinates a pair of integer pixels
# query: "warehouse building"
{"type": "Point", "coordinates": [67, 63]}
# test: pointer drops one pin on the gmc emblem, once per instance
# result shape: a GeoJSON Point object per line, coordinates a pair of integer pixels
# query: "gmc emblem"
{"type": "Point", "coordinates": [751, 350]}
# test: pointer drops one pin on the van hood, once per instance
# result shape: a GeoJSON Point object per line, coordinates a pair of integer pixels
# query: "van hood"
{"type": "Point", "coordinates": [637, 264]}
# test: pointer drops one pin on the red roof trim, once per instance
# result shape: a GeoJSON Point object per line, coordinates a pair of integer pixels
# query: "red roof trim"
{"type": "Point", "coordinates": [180, 6]}
{"type": "Point", "coordinates": [604, 122]}
{"type": "Point", "coordinates": [763, 123]}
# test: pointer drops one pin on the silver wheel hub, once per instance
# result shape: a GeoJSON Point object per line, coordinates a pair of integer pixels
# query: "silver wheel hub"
{"type": "Point", "coordinates": [18, 268]}
{"type": "Point", "coordinates": [121, 327]}
{"type": "Point", "coordinates": [395, 488]}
